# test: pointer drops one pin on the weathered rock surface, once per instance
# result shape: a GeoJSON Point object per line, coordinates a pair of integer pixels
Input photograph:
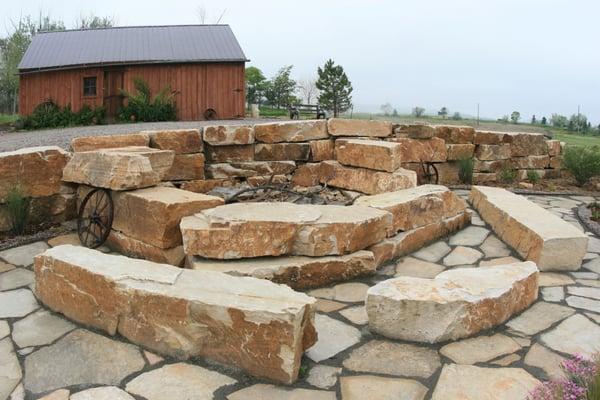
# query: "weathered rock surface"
{"type": "Point", "coordinates": [554, 148]}
{"type": "Point", "coordinates": [494, 138]}
{"type": "Point", "coordinates": [455, 134]}
{"type": "Point", "coordinates": [15, 278]}
{"type": "Point", "coordinates": [372, 154]}
{"type": "Point", "coordinates": [323, 376]}
{"type": "Point", "coordinates": [291, 131]}
{"type": "Point", "coordinates": [90, 143]}
{"type": "Point", "coordinates": [462, 255]}
{"type": "Point", "coordinates": [539, 317]}
{"type": "Point", "coordinates": [17, 303]}
{"type": "Point", "coordinates": [416, 207]}
{"type": "Point", "coordinates": [281, 151]}
{"type": "Point", "coordinates": [527, 144]}
{"type": "Point", "coordinates": [456, 304]}
{"type": "Point", "coordinates": [307, 175]}
{"type": "Point", "coordinates": [102, 393]}
{"type": "Point", "coordinates": [10, 370]}
{"type": "Point", "coordinates": [186, 167]}
{"type": "Point", "coordinates": [530, 162]}
{"type": "Point", "coordinates": [540, 357]}
{"type": "Point", "coordinates": [243, 230]}
{"type": "Point", "coordinates": [378, 388]}
{"type": "Point", "coordinates": [37, 171]}
{"type": "Point", "coordinates": [351, 292]}
{"type": "Point", "coordinates": [181, 141]}
{"type": "Point", "coordinates": [40, 328]}
{"type": "Point", "coordinates": [120, 168]}
{"type": "Point", "coordinates": [268, 392]}
{"type": "Point", "coordinates": [459, 151]}
{"type": "Point", "coordinates": [409, 266]}
{"type": "Point", "coordinates": [358, 127]}
{"type": "Point", "coordinates": [575, 335]}
{"type": "Point", "coordinates": [135, 248]}
{"type": "Point", "coordinates": [321, 150]}
{"type": "Point", "coordinates": [414, 131]}
{"type": "Point", "coordinates": [249, 323]}
{"type": "Point", "coordinates": [365, 180]}
{"type": "Point", "coordinates": [480, 349]}
{"type": "Point", "coordinates": [206, 185]}
{"type": "Point", "coordinates": [246, 169]}
{"type": "Point", "coordinates": [428, 150]}
{"type": "Point", "coordinates": [334, 337]}
{"type": "Point", "coordinates": [297, 272]}
{"type": "Point", "coordinates": [227, 135]}
{"type": "Point", "coordinates": [471, 236]}
{"type": "Point", "coordinates": [489, 152]}
{"type": "Point", "coordinates": [535, 233]}
{"type": "Point", "coordinates": [228, 154]}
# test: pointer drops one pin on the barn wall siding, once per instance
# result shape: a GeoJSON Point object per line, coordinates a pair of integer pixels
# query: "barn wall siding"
{"type": "Point", "coordinates": [220, 86]}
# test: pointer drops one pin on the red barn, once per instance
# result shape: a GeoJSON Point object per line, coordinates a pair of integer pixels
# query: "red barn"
{"type": "Point", "coordinates": [203, 64]}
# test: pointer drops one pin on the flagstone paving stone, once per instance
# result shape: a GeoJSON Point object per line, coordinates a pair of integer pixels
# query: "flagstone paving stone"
{"type": "Point", "coordinates": [434, 252]}
{"type": "Point", "coordinates": [494, 247]}
{"type": "Point", "coordinates": [267, 392]}
{"type": "Point", "coordinates": [593, 265]}
{"type": "Point", "coordinates": [593, 293]}
{"type": "Point", "coordinates": [470, 236]}
{"type": "Point", "coordinates": [410, 266]}
{"type": "Point", "coordinates": [16, 278]}
{"type": "Point", "coordinates": [575, 335]}
{"type": "Point", "coordinates": [553, 294]}
{"type": "Point", "coordinates": [23, 255]}
{"type": "Point", "coordinates": [462, 255]}
{"type": "Point", "coordinates": [479, 349]}
{"type": "Point", "coordinates": [540, 357]}
{"type": "Point", "coordinates": [379, 388]}
{"type": "Point", "coordinates": [357, 315]}
{"type": "Point", "coordinates": [323, 376]}
{"type": "Point", "coordinates": [40, 328]}
{"type": "Point", "coordinates": [4, 329]}
{"type": "Point", "coordinates": [102, 393]}
{"type": "Point", "coordinates": [583, 303]}
{"type": "Point", "coordinates": [334, 336]}
{"type": "Point", "coordinates": [10, 371]}
{"type": "Point", "coordinates": [346, 292]}
{"type": "Point", "coordinates": [5, 267]}
{"type": "Point", "coordinates": [17, 303]}
{"type": "Point", "coordinates": [539, 317]}
{"type": "Point", "coordinates": [554, 279]}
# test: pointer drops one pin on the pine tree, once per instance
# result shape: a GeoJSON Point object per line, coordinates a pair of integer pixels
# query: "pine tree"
{"type": "Point", "coordinates": [335, 88]}
{"type": "Point", "coordinates": [544, 121]}
{"type": "Point", "coordinates": [533, 120]}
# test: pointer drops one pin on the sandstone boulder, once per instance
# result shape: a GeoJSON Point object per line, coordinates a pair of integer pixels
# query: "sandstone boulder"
{"type": "Point", "coordinates": [535, 233]}
{"type": "Point", "coordinates": [372, 154]}
{"type": "Point", "coordinates": [365, 180]}
{"type": "Point", "coordinates": [307, 175]}
{"type": "Point", "coordinates": [452, 134]}
{"type": "Point", "coordinates": [226, 135]}
{"type": "Point", "coordinates": [252, 324]}
{"type": "Point", "coordinates": [455, 304]}
{"type": "Point", "coordinates": [243, 230]}
{"type": "Point", "coordinates": [416, 207]}
{"type": "Point", "coordinates": [321, 150]}
{"type": "Point", "coordinates": [119, 168]}
{"type": "Point", "coordinates": [496, 138]}
{"type": "Point", "coordinates": [186, 167]}
{"type": "Point", "coordinates": [206, 185]}
{"type": "Point", "coordinates": [181, 141]}
{"type": "Point", "coordinates": [429, 150]}
{"type": "Point", "coordinates": [291, 131]}
{"type": "Point", "coordinates": [227, 154]}
{"type": "Point", "coordinates": [246, 169]}
{"type": "Point", "coordinates": [128, 246]}
{"type": "Point", "coordinates": [281, 151]}
{"type": "Point", "coordinates": [530, 162]}
{"type": "Point", "coordinates": [491, 166]}
{"type": "Point", "coordinates": [36, 171]}
{"type": "Point", "coordinates": [90, 143]}
{"type": "Point", "coordinates": [490, 152]}
{"type": "Point", "coordinates": [554, 147]}
{"type": "Point", "coordinates": [358, 127]}
{"type": "Point", "coordinates": [527, 144]}
{"type": "Point", "coordinates": [414, 131]}
{"type": "Point", "coordinates": [459, 151]}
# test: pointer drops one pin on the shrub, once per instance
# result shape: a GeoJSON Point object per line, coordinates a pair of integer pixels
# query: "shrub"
{"type": "Point", "coordinates": [17, 206]}
{"type": "Point", "coordinates": [465, 170]}
{"type": "Point", "coordinates": [582, 162]}
{"type": "Point", "coordinates": [507, 175]}
{"type": "Point", "coordinates": [533, 176]}
{"type": "Point", "coordinates": [141, 107]}
{"type": "Point", "coordinates": [49, 115]}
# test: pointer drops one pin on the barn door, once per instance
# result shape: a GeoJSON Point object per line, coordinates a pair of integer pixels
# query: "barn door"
{"type": "Point", "coordinates": [113, 99]}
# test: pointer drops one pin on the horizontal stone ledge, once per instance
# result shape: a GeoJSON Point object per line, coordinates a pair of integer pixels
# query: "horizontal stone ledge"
{"type": "Point", "coordinates": [425, 150]}
{"type": "Point", "coordinates": [128, 246]}
{"type": "Point", "coordinates": [181, 141]}
{"type": "Point", "coordinates": [227, 135]}
{"type": "Point", "coordinates": [297, 272]}
{"type": "Point", "coordinates": [246, 169]}
{"type": "Point", "coordinates": [253, 324]}
{"type": "Point", "coordinates": [90, 143]}
{"type": "Point", "coordinates": [358, 127]}
{"type": "Point", "coordinates": [372, 154]}
{"type": "Point", "coordinates": [291, 131]}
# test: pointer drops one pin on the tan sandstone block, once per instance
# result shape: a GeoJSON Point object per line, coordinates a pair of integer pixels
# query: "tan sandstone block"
{"type": "Point", "coordinates": [246, 169]}
{"type": "Point", "coordinates": [372, 154]}
{"type": "Point", "coordinates": [452, 134]}
{"type": "Point", "coordinates": [263, 180]}
{"type": "Point", "coordinates": [226, 154]}
{"type": "Point", "coordinates": [152, 215]}
{"type": "Point", "coordinates": [460, 151]}
{"type": "Point", "coordinates": [496, 138]}
{"type": "Point", "coordinates": [131, 247]}
{"type": "Point", "coordinates": [89, 143]}
{"type": "Point", "coordinates": [181, 141]}
{"type": "Point", "coordinates": [307, 175]}
{"type": "Point", "coordinates": [428, 150]}
{"type": "Point", "coordinates": [490, 152]}
{"type": "Point", "coordinates": [186, 167]}
{"type": "Point", "coordinates": [206, 185]}
{"type": "Point", "coordinates": [321, 150]}
{"type": "Point", "coordinates": [296, 271]}
{"type": "Point", "coordinates": [365, 180]}
{"type": "Point", "coordinates": [554, 147]}
{"type": "Point", "coordinates": [455, 304]}
{"type": "Point", "coordinates": [416, 207]}
{"type": "Point", "coordinates": [358, 127]}
{"type": "Point", "coordinates": [252, 324]}
{"type": "Point", "coordinates": [291, 131]}
{"type": "Point", "coordinates": [535, 233]}
{"type": "Point", "coordinates": [448, 172]}
{"type": "Point", "coordinates": [414, 131]}
{"type": "Point", "coordinates": [36, 171]}
{"type": "Point", "coordinates": [243, 230]}
{"type": "Point", "coordinates": [281, 151]}
{"type": "Point", "coordinates": [527, 144]}
{"type": "Point", "coordinates": [555, 162]}
{"type": "Point", "coordinates": [481, 178]}
{"type": "Point", "coordinates": [226, 135]}
{"type": "Point", "coordinates": [530, 162]}
{"type": "Point", "coordinates": [491, 166]}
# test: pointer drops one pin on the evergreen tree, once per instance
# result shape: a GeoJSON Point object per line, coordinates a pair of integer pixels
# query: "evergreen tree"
{"type": "Point", "coordinates": [544, 121]}
{"type": "Point", "coordinates": [335, 88]}
{"type": "Point", "coordinates": [533, 120]}
{"type": "Point", "coordinates": [443, 112]}
{"type": "Point", "coordinates": [395, 113]}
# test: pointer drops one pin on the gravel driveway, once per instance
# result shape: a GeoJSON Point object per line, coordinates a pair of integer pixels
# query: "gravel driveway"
{"type": "Point", "coordinates": [62, 137]}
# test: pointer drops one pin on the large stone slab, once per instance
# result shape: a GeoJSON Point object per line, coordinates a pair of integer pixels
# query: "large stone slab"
{"type": "Point", "coordinates": [243, 230]}
{"type": "Point", "coordinates": [575, 335]}
{"type": "Point", "coordinates": [186, 167]}
{"type": "Point", "coordinates": [181, 141]}
{"type": "Point", "coordinates": [321, 150]}
{"type": "Point", "coordinates": [456, 304]}
{"type": "Point", "coordinates": [128, 246]}
{"type": "Point", "coordinates": [480, 349]}
{"type": "Point", "coordinates": [297, 272]}
{"type": "Point", "coordinates": [291, 131]}
{"type": "Point", "coordinates": [372, 154]}
{"type": "Point", "coordinates": [535, 233]}
{"type": "Point", "coordinates": [152, 215]}
{"type": "Point", "coordinates": [17, 303]}
{"type": "Point", "coordinates": [459, 151]}
{"type": "Point", "coordinates": [10, 370]}
{"type": "Point", "coordinates": [427, 150]}
{"type": "Point", "coordinates": [358, 127]}
{"type": "Point", "coordinates": [39, 328]}
{"type": "Point", "coordinates": [36, 171]}
{"type": "Point", "coordinates": [365, 180]}
{"type": "Point", "coordinates": [119, 169]}
{"type": "Point", "coordinates": [248, 323]}
{"type": "Point", "coordinates": [455, 134]}
{"type": "Point", "coordinates": [90, 143]}
{"type": "Point", "coordinates": [228, 135]}
{"type": "Point", "coordinates": [416, 207]}
{"type": "Point", "coordinates": [523, 144]}
{"type": "Point", "coordinates": [539, 317]}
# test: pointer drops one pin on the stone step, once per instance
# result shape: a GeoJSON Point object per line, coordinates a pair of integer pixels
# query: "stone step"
{"type": "Point", "coordinates": [535, 233]}
{"type": "Point", "coordinates": [245, 230]}
{"type": "Point", "coordinates": [455, 304]}
{"type": "Point", "coordinates": [296, 271]}
{"type": "Point", "coordinates": [252, 324]}
{"type": "Point", "coordinates": [416, 207]}
{"type": "Point", "coordinates": [372, 154]}
{"type": "Point", "coordinates": [120, 168]}
{"type": "Point", "coordinates": [128, 246]}
{"type": "Point", "coordinates": [364, 180]}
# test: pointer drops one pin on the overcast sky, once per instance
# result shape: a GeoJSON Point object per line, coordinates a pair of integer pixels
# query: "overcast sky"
{"type": "Point", "coordinates": [534, 56]}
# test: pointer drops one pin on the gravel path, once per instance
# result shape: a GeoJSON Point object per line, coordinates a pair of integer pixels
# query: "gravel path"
{"type": "Point", "coordinates": [10, 141]}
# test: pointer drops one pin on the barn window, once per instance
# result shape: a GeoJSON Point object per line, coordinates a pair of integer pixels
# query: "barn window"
{"type": "Point", "coordinates": [89, 86]}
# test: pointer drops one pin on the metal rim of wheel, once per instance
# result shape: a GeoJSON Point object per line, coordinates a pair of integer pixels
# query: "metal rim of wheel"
{"type": "Point", "coordinates": [95, 218]}
{"type": "Point", "coordinates": [430, 174]}
{"type": "Point", "coordinates": [210, 114]}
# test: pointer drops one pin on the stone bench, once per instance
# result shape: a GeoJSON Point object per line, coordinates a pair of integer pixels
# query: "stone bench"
{"type": "Point", "coordinates": [247, 323]}
{"type": "Point", "coordinates": [455, 304]}
{"type": "Point", "coordinates": [535, 233]}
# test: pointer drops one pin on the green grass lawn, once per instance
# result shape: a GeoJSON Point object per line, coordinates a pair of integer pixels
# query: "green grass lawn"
{"type": "Point", "coordinates": [577, 140]}
{"type": "Point", "coordinates": [7, 119]}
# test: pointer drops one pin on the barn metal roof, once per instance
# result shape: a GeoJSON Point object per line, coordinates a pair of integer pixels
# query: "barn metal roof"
{"type": "Point", "coordinates": [131, 45]}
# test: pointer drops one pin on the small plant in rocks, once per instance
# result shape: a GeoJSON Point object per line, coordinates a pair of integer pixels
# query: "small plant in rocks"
{"type": "Point", "coordinates": [595, 211]}
{"type": "Point", "coordinates": [508, 175]}
{"type": "Point", "coordinates": [465, 170]}
{"type": "Point", "coordinates": [582, 162]}
{"type": "Point", "coordinates": [533, 176]}
{"type": "Point", "coordinates": [17, 206]}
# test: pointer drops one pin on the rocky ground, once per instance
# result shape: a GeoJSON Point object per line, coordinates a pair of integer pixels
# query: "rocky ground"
{"type": "Point", "coordinates": [42, 355]}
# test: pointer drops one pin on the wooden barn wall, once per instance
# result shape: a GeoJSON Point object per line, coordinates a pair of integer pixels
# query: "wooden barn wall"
{"type": "Point", "coordinates": [197, 86]}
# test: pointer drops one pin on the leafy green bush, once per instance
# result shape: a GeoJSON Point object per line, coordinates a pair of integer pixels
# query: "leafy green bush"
{"type": "Point", "coordinates": [507, 175]}
{"type": "Point", "coordinates": [50, 115]}
{"type": "Point", "coordinates": [141, 107]}
{"type": "Point", "coordinates": [465, 170]}
{"type": "Point", "coordinates": [582, 162]}
{"type": "Point", "coordinates": [533, 176]}
{"type": "Point", "coordinates": [17, 205]}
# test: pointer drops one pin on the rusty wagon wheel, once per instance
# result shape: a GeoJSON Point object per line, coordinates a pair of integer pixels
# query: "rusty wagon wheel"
{"type": "Point", "coordinates": [429, 174]}
{"type": "Point", "coordinates": [95, 218]}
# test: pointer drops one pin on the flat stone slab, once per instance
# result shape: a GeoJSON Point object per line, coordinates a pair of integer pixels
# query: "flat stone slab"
{"type": "Point", "coordinates": [243, 230]}
{"type": "Point", "coordinates": [297, 272]}
{"type": "Point", "coordinates": [372, 154]}
{"type": "Point", "coordinates": [128, 246]}
{"type": "Point", "coordinates": [334, 337]}
{"type": "Point", "coordinates": [409, 266]}
{"type": "Point", "coordinates": [494, 247]}
{"type": "Point", "coordinates": [81, 357]}
{"type": "Point", "coordinates": [17, 303]}
{"type": "Point", "coordinates": [228, 135]}
{"type": "Point", "coordinates": [416, 207]}
{"type": "Point", "coordinates": [15, 278]}
{"type": "Point", "coordinates": [181, 141]}
{"type": "Point", "coordinates": [90, 143]}
{"type": "Point", "coordinates": [462, 255]}
{"type": "Point", "coordinates": [323, 376]}
{"type": "Point", "coordinates": [10, 370]}
{"type": "Point", "coordinates": [23, 255]}
{"type": "Point", "coordinates": [358, 127]}
{"type": "Point", "coordinates": [119, 169]}
{"type": "Point", "coordinates": [480, 349]}
{"type": "Point", "coordinates": [468, 382]}
{"type": "Point", "coordinates": [291, 131]}
{"type": "Point", "coordinates": [249, 323]}
{"type": "Point", "coordinates": [264, 391]}
{"type": "Point", "coordinates": [355, 388]}
{"type": "Point", "coordinates": [583, 303]}
{"type": "Point", "coordinates": [550, 362]}
{"type": "Point", "coordinates": [575, 335]}
{"type": "Point", "coordinates": [102, 393]}
{"type": "Point", "coordinates": [39, 328]}
{"type": "Point", "coordinates": [178, 381]}
{"type": "Point", "coordinates": [351, 292]}
{"type": "Point", "coordinates": [434, 252]}
{"type": "Point", "coordinates": [455, 304]}
{"type": "Point", "coordinates": [535, 233]}
{"type": "Point", "coordinates": [470, 236]}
